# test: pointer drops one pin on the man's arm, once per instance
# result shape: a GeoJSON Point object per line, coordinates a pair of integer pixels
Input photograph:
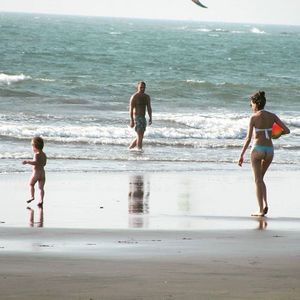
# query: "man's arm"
{"type": "Point", "coordinates": [149, 110]}
{"type": "Point", "coordinates": [131, 110]}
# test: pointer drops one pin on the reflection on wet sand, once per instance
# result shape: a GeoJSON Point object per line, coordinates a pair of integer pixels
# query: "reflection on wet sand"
{"type": "Point", "coordinates": [262, 223]}
{"type": "Point", "coordinates": [138, 201]}
{"type": "Point", "coordinates": [40, 221]}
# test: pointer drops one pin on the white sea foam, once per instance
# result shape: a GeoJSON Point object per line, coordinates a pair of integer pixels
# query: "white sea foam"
{"type": "Point", "coordinates": [219, 30]}
{"type": "Point", "coordinates": [170, 127]}
{"type": "Point", "coordinates": [204, 30]}
{"type": "Point", "coordinates": [195, 81]}
{"type": "Point", "coordinates": [45, 79]}
{"type": "Point", "coordinates": [178, 127]}
{"type": "Point", "coordinates": [257, 30]}
{"type": "Point", "coordinates": [115, 33]}
{"type": "Point", "coordinates": [9, 79]}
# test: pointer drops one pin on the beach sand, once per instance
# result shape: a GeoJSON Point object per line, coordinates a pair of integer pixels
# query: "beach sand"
{"type": "Point", "coordinates": [144, 264]}
{"type": "Point", "coordinates": [150, 236]}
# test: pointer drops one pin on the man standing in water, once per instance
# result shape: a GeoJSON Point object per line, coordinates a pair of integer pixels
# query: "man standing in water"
{"type": "Point", "coordinates": [139, 101]}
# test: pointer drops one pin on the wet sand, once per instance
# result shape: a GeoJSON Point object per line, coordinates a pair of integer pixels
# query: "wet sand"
{"type": "Point", "coordinates": [145, 264]}
{"type": "Point", "coordinates": [154, 236]}
{"type": "Point", "coordinates": [213, 199]}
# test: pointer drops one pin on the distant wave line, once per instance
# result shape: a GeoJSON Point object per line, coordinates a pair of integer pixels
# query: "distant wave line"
{"type": "Point", "coordinates": [254, 30]}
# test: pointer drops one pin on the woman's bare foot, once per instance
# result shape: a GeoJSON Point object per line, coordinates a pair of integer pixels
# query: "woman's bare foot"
{"type": "Point", "coordinates": [258, 214]}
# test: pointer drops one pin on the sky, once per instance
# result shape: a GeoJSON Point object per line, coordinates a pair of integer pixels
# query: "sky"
{"type": "Point", "coordinates": [236, 11]}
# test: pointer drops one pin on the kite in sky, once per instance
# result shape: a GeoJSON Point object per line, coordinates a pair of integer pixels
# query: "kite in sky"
{"type": "Point", "coordinates": [199, 3]}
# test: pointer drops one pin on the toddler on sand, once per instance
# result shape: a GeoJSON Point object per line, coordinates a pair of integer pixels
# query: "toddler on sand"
{"type": "Point", "coordinates": [38, 172]}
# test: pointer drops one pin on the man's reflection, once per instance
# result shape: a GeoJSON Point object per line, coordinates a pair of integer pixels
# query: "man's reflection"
{"type": "Point", "coordinates": [138, 201]}
{"type": "Point", "coordinates": [40, 221]}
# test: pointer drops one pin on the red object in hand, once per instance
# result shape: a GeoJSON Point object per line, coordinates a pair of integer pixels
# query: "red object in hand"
{"type": "Point", "coordinates": [276, 131]}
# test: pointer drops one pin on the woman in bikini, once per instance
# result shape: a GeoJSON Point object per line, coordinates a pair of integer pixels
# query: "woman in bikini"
{"type": "Point", "coordinates": [262, 151]}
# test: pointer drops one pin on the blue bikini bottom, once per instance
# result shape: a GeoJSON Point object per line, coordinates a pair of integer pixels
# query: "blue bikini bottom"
{"type": "Point", "coordinates": [261, 148]}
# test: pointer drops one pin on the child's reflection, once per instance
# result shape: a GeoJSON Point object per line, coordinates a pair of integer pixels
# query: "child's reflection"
{"type": "Point", "coordinates": [40, 221]}
{"type": "Point", "coordinates": [138, 200]}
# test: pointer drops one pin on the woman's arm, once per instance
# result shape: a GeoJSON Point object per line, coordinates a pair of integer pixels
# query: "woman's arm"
{"type": "Point", "coordinates": [246, 142]}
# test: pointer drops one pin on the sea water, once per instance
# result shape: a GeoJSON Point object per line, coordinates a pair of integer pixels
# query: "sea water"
{"type": "Point", "coordinates": [69, 80]}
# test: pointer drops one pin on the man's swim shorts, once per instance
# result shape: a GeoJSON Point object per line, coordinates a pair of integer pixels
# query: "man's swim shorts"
{"type": "Point", "coordinates": [140, 123]}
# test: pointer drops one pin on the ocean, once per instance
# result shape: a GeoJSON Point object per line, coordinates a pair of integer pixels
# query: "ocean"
{"type": "Point", "coordinates": [69, 79]}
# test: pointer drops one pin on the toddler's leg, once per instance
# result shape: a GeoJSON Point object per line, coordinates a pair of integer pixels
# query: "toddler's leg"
{"type": "Point", "coordinates": [32, 183]}
{"type": "Point", "coordinates": [42, 191]}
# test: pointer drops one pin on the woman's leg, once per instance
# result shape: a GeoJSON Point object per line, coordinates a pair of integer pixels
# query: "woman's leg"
{"type": "Point", "coordinates": [256, 161]}
{"type": "Point", "coordinates": [260, 163]}
{"type": "Point", "coordinates": [264, 167]}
